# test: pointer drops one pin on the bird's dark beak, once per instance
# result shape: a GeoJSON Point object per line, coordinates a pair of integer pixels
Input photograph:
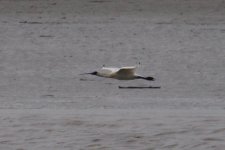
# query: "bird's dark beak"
{"type": "Point", "coordinates": [84, 73]}
{"type": "Point", "coordinates": [92, 73]}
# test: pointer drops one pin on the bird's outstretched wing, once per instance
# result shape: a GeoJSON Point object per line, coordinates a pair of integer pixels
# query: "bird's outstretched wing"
{"type": "Point", "coordinates": [127, 71]}
{"type": "Point", "coordinates": [108, 71]}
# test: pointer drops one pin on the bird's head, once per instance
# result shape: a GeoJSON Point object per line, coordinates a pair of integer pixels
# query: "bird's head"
{"type": "Point", "coordinates": [92, 73]}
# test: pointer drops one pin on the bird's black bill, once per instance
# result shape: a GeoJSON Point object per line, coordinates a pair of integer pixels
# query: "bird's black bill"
{"type": "Point", "coordinates": [84, 73]}
{"type": "Point", "coordinates": [92, 73]}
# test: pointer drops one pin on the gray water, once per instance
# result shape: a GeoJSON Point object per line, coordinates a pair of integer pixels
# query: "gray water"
{"type": "Point", "coordinates": [45, 103]}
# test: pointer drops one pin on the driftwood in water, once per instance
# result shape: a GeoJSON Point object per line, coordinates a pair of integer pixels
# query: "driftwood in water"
{"type": "Point", "coordinates": [139, 87]}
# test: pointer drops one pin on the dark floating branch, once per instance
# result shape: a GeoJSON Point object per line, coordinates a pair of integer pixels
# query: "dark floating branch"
{"type": "Point", "coordinates": [31, 22]}
{"type": "Point", "coordinates": [139, 87]}
{"type": "Point", "coordinates": [47, 36]}
{"type": "Point", "coordinates": [99, 1]}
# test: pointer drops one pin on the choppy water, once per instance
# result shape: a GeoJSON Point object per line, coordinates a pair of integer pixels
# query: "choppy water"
{"type": "Point", "coordinates": [112, 129]}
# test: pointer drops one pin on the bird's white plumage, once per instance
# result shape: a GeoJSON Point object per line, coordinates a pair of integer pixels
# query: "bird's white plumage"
{"type": "Point", "coordinates": [124, 73]}
{"type": "Point", "coordinates": [129, 71]}
{"type": "Point", "coordinates": [107, 71]}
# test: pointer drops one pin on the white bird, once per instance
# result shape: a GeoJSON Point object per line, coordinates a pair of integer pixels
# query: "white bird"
{"type": "Point", "coordinates": [124, 73]}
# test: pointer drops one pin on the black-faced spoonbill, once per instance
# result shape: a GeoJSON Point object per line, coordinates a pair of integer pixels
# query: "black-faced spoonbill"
{"type": "Point", "coordinates": [124, 73]}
